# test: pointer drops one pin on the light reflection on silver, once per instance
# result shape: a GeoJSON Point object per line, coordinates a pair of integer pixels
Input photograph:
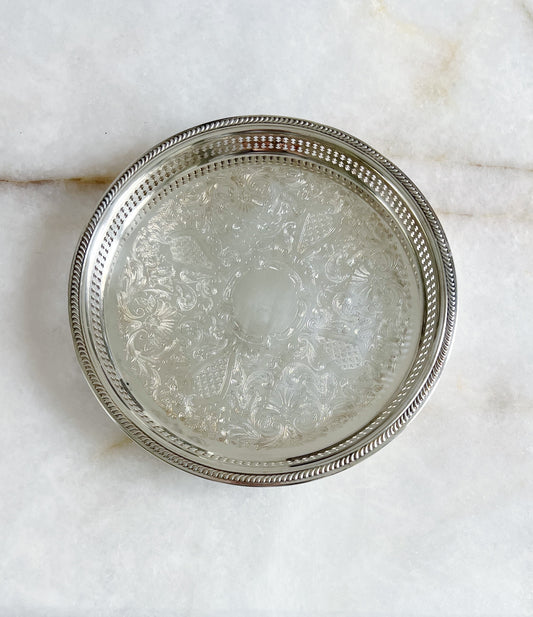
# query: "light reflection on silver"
{"type": "Point", "coordinates": [261, 302]}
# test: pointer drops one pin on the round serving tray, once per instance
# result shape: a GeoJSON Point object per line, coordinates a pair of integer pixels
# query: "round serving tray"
{"type": "Point", "coordinates": [262, 300]}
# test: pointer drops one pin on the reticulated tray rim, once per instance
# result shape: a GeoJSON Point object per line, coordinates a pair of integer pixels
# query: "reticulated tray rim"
{"type": "Point", "coordinates": [258, 477]}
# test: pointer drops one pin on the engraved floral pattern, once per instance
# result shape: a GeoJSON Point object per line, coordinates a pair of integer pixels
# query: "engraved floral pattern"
{"type": "Point", "coordinates": [176, 304]}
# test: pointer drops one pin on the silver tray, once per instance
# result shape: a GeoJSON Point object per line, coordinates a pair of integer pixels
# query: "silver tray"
{"type": "Point", "coordinates": [262, 300]}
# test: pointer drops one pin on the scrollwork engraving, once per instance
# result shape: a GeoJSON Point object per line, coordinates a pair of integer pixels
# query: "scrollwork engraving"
{"type": "Point", "coordinates": [315, 342]}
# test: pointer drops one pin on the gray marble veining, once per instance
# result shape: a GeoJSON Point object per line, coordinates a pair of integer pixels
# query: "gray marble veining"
{"type": "Point", "coordinates": [439, 522]}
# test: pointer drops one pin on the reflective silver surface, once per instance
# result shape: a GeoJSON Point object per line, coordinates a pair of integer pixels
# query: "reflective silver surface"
{"type": "Point", "coordinates": [262, 300]}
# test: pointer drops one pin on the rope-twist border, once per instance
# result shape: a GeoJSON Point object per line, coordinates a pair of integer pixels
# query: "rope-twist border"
{"type": "Point", "coordinates": [263, 479]}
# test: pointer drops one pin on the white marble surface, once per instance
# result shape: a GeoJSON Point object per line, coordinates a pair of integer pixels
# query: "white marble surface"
{"type": "Point", "coordinates": [439, 522]}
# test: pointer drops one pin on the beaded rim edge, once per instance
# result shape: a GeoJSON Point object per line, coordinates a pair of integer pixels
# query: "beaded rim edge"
{"type": "Point", "coordinates": [280, 478]}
